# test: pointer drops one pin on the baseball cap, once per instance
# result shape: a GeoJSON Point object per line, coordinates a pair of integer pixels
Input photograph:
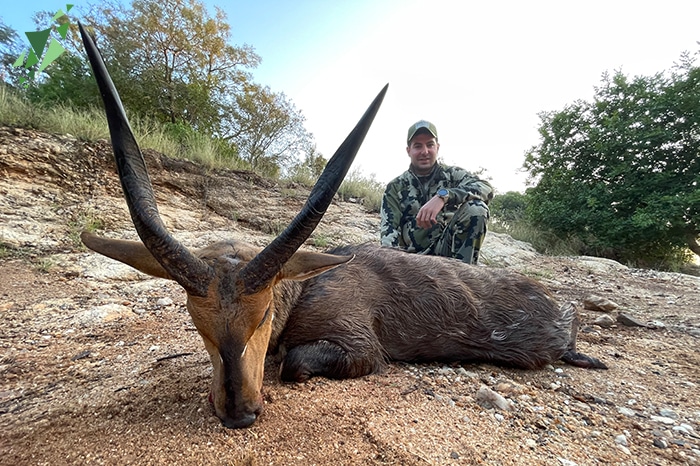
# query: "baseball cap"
{"type": "Point", "coordinates": [422, 124]}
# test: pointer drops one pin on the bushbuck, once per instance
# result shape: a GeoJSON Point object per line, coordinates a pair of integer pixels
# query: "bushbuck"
{"type": "Point", "coordinates": [345, 313]}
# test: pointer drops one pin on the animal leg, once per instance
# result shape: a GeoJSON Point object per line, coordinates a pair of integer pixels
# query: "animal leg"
{"type": "Point", "coordinates": [573, 357]}
{"type": "Point", "coordinates": [326, 359]}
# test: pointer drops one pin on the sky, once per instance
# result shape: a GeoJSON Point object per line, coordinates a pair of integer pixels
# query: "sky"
{"type": "Point", "coordinates": [480, 71]}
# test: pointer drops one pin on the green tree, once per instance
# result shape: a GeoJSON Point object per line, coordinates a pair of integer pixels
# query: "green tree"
{"type": "Point", "coordinates": [509, 207]}
{"type": "Point", "coordinates": [172, 61]}
{"type": "Point", "coordinates": [622, 173]}
{"type": "Point", "coordinates": [68, 82]}
{"type": "Point", "coordinates": [10, 49]}
{"type": "Point", "coordinates": [268, 129]}
{"type": "Point", "coordinates": [307, 170]}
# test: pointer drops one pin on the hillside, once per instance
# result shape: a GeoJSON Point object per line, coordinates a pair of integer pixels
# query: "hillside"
{"type": "Point", "coordinates": [102, 365]}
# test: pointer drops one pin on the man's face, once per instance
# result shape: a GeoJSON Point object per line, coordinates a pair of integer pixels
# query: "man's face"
{"type": "Point", "coordinates": [423, 151]}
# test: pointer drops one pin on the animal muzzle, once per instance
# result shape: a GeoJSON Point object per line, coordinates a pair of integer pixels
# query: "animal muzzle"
{"type": "Point", "coordinates": [238, 417]}
{"type": "Point", "coordinates": [241, 422]}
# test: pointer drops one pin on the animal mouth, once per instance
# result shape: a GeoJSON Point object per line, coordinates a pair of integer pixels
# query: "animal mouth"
{"type": "Point", "coordinates": [239, 422]}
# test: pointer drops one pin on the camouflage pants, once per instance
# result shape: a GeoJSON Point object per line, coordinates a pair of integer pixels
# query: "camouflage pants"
{"type": "Point", "coordinates": [463, 236]}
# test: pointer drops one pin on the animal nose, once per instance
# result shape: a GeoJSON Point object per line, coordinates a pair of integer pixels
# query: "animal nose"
{"type": "Point", "coordinates": [241, 422]}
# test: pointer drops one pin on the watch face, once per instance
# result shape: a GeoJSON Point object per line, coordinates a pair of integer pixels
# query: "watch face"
{"type": "Point", "coordinates": [442, 192]}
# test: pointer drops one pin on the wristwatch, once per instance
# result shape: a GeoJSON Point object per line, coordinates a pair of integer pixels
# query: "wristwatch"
{"type": "Point", "coordinates": [443, 194]}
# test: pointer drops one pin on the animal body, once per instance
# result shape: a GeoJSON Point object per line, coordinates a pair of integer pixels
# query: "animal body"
{"type": "Point", "coordinates": [340, 314]}
{"type": "Point", "coordinates": [386, 304]}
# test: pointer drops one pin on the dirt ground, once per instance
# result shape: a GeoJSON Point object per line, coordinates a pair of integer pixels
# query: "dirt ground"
{"type": "Point", "coordinates": [102, 365]}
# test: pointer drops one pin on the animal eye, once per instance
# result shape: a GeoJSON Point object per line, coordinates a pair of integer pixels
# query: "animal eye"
{"type": "Point", "coordinates": [267, 313]}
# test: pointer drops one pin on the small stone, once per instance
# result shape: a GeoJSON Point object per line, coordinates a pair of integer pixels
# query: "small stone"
{"type": "Point", "coordinates": [684, 429]}
{"type": "Point", "coordinates": [629, 321]}
{"type": "Point", "coordinates": [627, 411]}
{"type": "Point", "coordinates": [487, 398]}
{"type": "Point", "coordinates": [621, 440]}
{"type": "Point", "coordinates": [668, 413]}
{"type": "Point", "coordinates": [656, 324]}
{"type": "Point", "coordinates": [624, 449]}
{"type": "Point", "coordinates": [604, 321]}
{"type": "Point", "coordinates": [663, 420]}
{"type": "Point", "coordinates": [660, 442]}
{"type": "Point", "coordinates": [598, 303]}
{"type": "Point", "coordinates": [162, 302]}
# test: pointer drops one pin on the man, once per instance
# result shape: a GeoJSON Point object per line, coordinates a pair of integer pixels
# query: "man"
{"type": "Point", "coordinates": [432, 208]}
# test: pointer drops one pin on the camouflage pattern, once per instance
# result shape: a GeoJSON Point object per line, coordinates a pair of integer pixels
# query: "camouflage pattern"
{"type": "Point", "coordinates": [461, 225]}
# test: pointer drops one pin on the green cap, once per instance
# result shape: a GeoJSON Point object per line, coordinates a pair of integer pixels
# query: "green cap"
{"type": "Point", "coordinates": [422, 124]}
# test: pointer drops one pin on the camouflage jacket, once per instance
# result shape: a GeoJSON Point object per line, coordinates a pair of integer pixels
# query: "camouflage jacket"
{"type": "Point", "coordinates": [406, 194]}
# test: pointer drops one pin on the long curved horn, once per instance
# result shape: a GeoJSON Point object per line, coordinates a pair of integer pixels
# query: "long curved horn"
{"type": "Point", "coordinates": [258, 272]}
{"type": "Point", "coordinates": [188, 270]}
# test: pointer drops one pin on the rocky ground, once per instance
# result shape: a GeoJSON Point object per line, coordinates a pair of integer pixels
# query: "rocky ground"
{"type": "Point", "coordinates": [102, 365]}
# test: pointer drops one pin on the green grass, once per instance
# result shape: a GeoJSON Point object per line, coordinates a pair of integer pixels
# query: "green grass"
{"type": "Point", "coordinates": [320, 240]}
{"type": "Point", "coordinates": [538, 274]}
{"type": "Point", "coordinates": [86, 220]}
{"type": "Point", "coordinates": [15, 110]}
{"type": "Point", "coordinates": [543, 242]}
{"type": "Point", "coordinates": [45, 265]}
{"type": "Point", "coordinates": [5, 251]}
{"type": "Point", "coordinates": [8, 251]}
{"type": "Point", "coordinates": [365, 189]}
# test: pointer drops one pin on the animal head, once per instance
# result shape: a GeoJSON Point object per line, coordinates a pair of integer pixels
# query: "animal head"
{"type": "Point", "coordinates": [229, 285]}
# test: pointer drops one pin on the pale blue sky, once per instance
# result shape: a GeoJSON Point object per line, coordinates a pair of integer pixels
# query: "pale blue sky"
{"type": "Point", "coordinates": [481, 71]}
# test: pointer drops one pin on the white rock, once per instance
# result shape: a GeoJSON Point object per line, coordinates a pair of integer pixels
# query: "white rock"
{"type": "Point", "coordinates": [164, 302]}
{"type": "Point", "coordinates": [487, 398]}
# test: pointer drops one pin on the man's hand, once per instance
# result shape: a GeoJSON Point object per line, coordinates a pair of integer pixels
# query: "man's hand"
{"type": "Point", "coordinates": [427, 215]}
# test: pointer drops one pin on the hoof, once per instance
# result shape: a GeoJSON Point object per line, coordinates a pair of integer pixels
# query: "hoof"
{"type": "Point", "coordinates": [581, 360]}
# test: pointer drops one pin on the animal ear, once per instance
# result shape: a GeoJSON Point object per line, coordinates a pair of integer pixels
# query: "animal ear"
{"type": "Point", "coordinates": [304, 264]}
{"type": "Point", "coordinates": [132, 253]}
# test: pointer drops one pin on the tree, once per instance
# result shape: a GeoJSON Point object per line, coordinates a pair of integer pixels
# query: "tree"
{"type": "Point", "coordinates": [9, 51]}
{"type": "Point", "coordinates": [622, 173]}
{"type": "Point", "coordinates": [508, 208]}
{"type": "Point", "coordinates": [268, 129]}
{"type": "Point", "coordinates": [172, 60]}
{"type": "Point", "coordinates": [69, 83]}
{"type": "Point", "coordinates": [308, 169]}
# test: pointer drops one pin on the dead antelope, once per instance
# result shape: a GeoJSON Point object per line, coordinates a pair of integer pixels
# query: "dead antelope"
{"type": "Point", "coordinates": [341, 314]}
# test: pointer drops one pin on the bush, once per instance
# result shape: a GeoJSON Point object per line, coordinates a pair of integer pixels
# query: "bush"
{"type": "Point", "coordinates": [367, 190]}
